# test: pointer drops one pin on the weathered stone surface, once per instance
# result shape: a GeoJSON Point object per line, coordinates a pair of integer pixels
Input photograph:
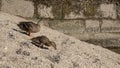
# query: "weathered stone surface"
{"type": "Point", "coordinates": [72, 15]}
{"type": "Point", "coordinates": [111, 26]}
{"type": "Point", "coordinates": [45, 12]}
{"type": "Point", "coordinates": [108, 10]}
{"type": "Point", "coordinates": [92, 26]}
{"type": "Point", "coordinates": [118, 10]}
{"type": "Point", "coordinates": [70, 53]}
{"type": "Point", "coordinates": [18, 7]}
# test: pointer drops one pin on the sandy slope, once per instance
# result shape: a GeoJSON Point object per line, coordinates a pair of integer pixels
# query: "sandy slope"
{"type": "Point", "coordinates": [16, 51]}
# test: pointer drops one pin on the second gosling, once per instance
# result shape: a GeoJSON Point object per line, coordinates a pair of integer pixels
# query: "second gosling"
{"type": "Point", "coordinates": [29, 27]}
{"type": "Point", "coordinates": [43, 40]}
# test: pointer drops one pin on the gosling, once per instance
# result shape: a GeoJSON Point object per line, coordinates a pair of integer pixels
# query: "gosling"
{"type": "Point", "coordinates": [29, 27]}
{"type": "Point", "coordinates": [43, 40]}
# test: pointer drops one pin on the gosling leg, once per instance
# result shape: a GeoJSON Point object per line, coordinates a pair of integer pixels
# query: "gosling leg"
{"type": "Point", "coordinates": [29, 34]}
{"type": "Point", "coordinates": [41, 45]}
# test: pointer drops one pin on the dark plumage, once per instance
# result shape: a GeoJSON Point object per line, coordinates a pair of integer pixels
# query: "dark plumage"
{"type": "Point", "coordinates": [43, 40]}
{"type": "Point", "coordinates": [29, 27]}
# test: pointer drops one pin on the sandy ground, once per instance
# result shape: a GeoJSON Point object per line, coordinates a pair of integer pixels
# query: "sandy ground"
{"type": "Point", "coordinates": [17, 51]}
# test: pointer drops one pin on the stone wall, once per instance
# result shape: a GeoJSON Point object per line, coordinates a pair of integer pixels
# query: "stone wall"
{"type": "Point", "coordinates": [66, 9]}
{"type": "Point", "coordinates": [68, 16]}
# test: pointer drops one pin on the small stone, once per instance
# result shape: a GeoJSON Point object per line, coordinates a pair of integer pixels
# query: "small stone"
{"type": "Point", "coordinates": [26, 44]}
{"type": "Point", "coordinates": [96, 60]}
{"type": "Point", "coordinates": [75, 65]}
{"type": "Point", "coordinates": [26, 53]}
{"type": "Point", "coordinates": [55, 58]}
{"type": "Point", "coordinates": [5, 66]}
{"type": "Point", "coordinates": [19, 51]}
{"type": "Point", "coordinates": [5, 48]}
{"type": "Point", "coordinates": [119, 63]}
{"type": "Point", "coordinates": [72, 42]}
{"type": "Point", "coordinates": [11, 35]}
{"type": "Point", "coordinates": [34, 58]}
{"type": "Point", "coordinates": [52, 66]}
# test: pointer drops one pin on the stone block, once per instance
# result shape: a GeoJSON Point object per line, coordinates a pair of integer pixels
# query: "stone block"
{"type": "Point", "coordinates": [18, 7]}
{"type": "Point", "coordinates": [45, 12]}
{"type": "Point", "coordinates": [68, 26]}
{"type": "Point", "coordinates": [92, 26]}
{"type": "Point", "coordinates": [108, 10]}
{"type": "Point", "coordinates": [111, 26]}
{"type": "Point", "coordinates": [118, 10]}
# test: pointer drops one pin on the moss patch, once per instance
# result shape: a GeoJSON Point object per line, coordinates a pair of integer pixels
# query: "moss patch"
{"type": "Point", "coordinates": [90, 11]}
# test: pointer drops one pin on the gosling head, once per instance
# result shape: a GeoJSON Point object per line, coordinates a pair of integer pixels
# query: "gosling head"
{"type": "Point", "coordinates": [53, 44]}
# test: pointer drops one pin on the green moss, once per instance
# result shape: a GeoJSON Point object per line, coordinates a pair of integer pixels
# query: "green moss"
{"type": "Point", "coordinates": [90, 11]}
{"type": "Point", "coordinates": [61, 8]}
{"type": "Point", "coordinates": [57, 12]}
